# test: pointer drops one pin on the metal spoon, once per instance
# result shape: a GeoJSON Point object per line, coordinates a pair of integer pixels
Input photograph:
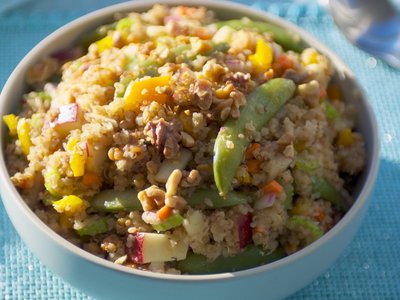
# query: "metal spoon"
{"type": "Point", "coordinates": [373, 26]}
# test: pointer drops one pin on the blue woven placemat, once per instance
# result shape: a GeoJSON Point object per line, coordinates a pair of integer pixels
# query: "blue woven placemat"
{"type": "Point", "coordinates": [370, 266]}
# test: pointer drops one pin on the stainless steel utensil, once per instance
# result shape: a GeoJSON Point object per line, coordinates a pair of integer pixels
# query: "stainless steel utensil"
{"type": "Point", "coordinates": [372, 25]}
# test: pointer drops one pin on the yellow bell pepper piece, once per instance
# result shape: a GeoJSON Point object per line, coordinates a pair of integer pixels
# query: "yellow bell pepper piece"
{"type": "Point", "coordinates": [146, 90]}
{"type": "Point", "coordinates": [69, 205]}
{"type": "Point", "coordinates": [23, 131]}
{"type": "Point", "coordinates": [104, 44]}
{"type": "Point", "coordinates": [77, 164]}
{"type": "Point", "coordinates": [262, 58]}
{"type": "Point", "coordinates": [345, 138]}
{"type": "Point", "coordinates": [312, 57]}
{"type": "Point", "coordinates": [77, 158]}
{"type": "Point", "coordinates": [11, 122]}
{"type": "Point", "coordinates": [71, 144]}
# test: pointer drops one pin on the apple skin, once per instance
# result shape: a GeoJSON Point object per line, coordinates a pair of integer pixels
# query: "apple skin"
{"type": "Point", "coordinates": [146, 247]}
{"type": "Point", "coordinates": [70, 117]}
{"type": "Point", "coordinates": [244, 229]}
{"type": "Point", "coordinates": [134, 246]}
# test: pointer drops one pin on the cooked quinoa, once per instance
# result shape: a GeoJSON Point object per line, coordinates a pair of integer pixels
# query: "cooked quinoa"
{"type": "Point", "coordinates": [117, 147]}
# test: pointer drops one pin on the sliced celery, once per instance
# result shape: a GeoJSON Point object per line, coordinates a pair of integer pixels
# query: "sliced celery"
{"type": "Point", "coordinates": [116, 201]}
{"type": "Point", "coordinates": [169, 223]}
{"type": "Point", "coordinates": [99, 226]}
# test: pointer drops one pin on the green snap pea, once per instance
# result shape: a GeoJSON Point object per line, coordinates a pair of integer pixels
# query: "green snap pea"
{"type": "Point", "coordinates": [116, 201]}
{"type": "Point", "coordinates": [301, 221]}
{"type": "Point", "coordinates": [251, 257]}
{"type": "Point", "coordinates": [328, 192]}
{"type": "Point", "coordinates": [211, 199]}
{"type": "Point", "coordinates": [262, 104]}
{"type": "Point", "coordinates": [99, 226]}
{"type": "Point", "coordinates": [288, 40]}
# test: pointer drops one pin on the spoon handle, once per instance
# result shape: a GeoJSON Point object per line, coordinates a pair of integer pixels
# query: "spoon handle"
{"type": "Point", "coordinates": [378, 10]}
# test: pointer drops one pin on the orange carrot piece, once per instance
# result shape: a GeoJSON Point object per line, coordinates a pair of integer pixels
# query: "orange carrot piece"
{"type": "Point", "coordinates": [164, 212]}
{"type": "Point", "coordinates": [138, 92]}
{"type": "Point", "coordinates": [252, 165]}
{"type": "Point", "coordinates": [272, 187]}
{"type": "Point", "coordinates": [249, 154]}
{"type": "Point", "coordinates": [91, 179]}
{"type": "Point", "coordinates": [320, 216]}
{"type": "Point", "coordinates": [203, 33]}
{"type": "Point", "coordinates": [285, 61]}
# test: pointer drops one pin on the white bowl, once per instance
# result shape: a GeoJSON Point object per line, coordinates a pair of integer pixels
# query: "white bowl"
{"type": "Point", "coordinates": [104, 280]}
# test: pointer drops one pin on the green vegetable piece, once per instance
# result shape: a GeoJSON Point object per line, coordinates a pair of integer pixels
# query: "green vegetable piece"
{"type": "Point", "coordinates": [328, 192]}
{"type": "Point", "coordinates": [220, 47]}
{"type": "Point", "coordinates": [125, 24]}
{"type": "Point", "coordinates": [212, 199]}
{"type": "Point", "coordinates": [288, 40]}
{"type": "Point", "coordinates": [51, 178]}
{"type": "Point", "coordinates": [169, 223]}
{"type": "Point", "coordinates": [250, 257]}
{"type": "Point", "coordinates": [116, 201]}
{"type": "Point", "coordinates": [331, 113]}
{"type": "Point", "coordinates": [180, 50]}
{"type": "Point", "coordinates": [307, 165]}
{"type": "Point", "coordinates": [306, 223]}
{"type": "Point", "coordinates": [232, 140]}
{"type": "Point", "coordinates": [99, 226]}
{"type": "Point", "coordinates": [169, 165]}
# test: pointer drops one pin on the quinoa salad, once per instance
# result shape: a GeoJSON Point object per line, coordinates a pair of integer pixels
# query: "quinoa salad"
{"type": "Point", "coordinates": [174, 142]}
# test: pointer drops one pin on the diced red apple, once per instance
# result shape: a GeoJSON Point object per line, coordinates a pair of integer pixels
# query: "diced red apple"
{"type": "Point", "coordinates": [244, 229]}
{"type": "Point", "coordinates": [69, 118]}
{"type": "Point", "coordinates": [145, 247]}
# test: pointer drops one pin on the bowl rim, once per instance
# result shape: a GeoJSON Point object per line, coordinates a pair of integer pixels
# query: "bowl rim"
{"type": "Point", "coordinates": [109, 11]}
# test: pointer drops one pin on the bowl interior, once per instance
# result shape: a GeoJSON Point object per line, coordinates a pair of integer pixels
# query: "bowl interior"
{"type": "Point", "coordinates": [67, 35]}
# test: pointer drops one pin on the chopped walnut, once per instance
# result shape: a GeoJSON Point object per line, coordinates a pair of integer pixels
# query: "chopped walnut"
{"type": "Point", "coordinates": [165, 136]}
{"type": "Point", "coordinates": [310, 92]}
{"type": "Point", "coordinates": [213, 70]}
{"type": "Point", "coordinates": [223, 108]}
{"type": "Point", "coordinates": [203, 94]}
{"type": "Point", "coordinates": [241, 81]}
{"type": "Point", "coordinates": [183, 82]}
{"type": "Point", "coordinates": [192, 178]}
{"type": "Point", "coordinates": [152, 198]}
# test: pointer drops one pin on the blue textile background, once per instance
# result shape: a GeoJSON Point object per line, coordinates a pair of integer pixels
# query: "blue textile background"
{"type": "Point", "coordinates": [370, 266]}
